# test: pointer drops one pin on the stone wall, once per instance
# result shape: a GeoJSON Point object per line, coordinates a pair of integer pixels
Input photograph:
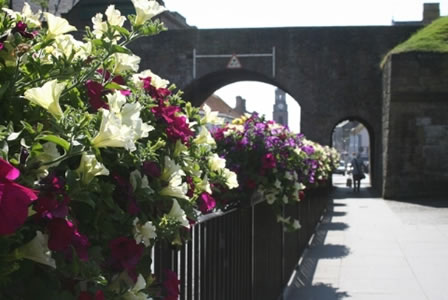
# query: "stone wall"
{"type": "Point", "coordinates": [415, 125]}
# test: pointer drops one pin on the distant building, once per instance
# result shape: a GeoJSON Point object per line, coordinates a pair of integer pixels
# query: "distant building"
{"type": "Point", "coordinates": [226, 112]}
{"type": "Point", "coordinates": [351, 137]}
{"type": "Point", "coordinates": [280, 110]}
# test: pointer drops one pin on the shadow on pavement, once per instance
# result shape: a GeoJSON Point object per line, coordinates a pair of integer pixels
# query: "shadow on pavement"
{"type": "Point", "coordinates": [301, 285]}
{"type": "Point", "coordinates": [317, 292]}
{"type": "Point", "coordinates": [345, 193]}
{"type": "Point", "coordinates": [334, 226]}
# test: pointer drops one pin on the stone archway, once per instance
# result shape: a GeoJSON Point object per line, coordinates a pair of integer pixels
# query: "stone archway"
{"type": "Point", "coordinates": [355, 135]}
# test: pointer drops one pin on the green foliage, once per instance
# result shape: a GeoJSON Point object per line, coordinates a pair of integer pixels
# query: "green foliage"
{"type": "Point", "coordinates": [432, 38]}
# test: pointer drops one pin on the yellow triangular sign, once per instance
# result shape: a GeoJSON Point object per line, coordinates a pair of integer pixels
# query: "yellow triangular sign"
{"type": "Point", "coordinates": [234, 62]}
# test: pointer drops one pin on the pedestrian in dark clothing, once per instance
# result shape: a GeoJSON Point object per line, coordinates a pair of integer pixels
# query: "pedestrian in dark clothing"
{"type": "Point", "coordinates": [357, 172]}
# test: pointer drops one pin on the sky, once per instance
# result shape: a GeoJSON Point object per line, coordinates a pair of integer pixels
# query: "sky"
{"type": "Point", "coordinates": [286, 13]}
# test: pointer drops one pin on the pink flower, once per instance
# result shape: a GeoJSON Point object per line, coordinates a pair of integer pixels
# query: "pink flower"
{"type": "Point", "coordinates": [99, 295]}
{"type": "Point", "coordinates": [268, 161]}
{"type": "Point", "coordinates": [64, 234]}
{"type": "Point", "coordinates": [14, 199]}
{"type": "Point", "coordinates": [207, 202]}
{"type": "Point", "coordinates": [171, 285]}
{"type": "Point", "coordinates": [125, 255]}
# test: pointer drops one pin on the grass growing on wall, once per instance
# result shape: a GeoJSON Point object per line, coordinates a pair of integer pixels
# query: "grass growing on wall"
{"type": "Point", "coordinates": [432, 38]}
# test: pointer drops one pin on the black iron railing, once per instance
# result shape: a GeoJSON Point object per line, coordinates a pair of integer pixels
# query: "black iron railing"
{"type": "Point", "coordinates": [243, 253]}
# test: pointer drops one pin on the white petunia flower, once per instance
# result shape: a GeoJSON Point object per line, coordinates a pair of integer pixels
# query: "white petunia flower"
{"type": "Point", "coordinates": [233, 128]}
{"type": "Point", "coordinates": [178, 213]}
{"type": "Point", "coordinates": [125, 62]}
{"type": "Point", "coordinates": [205, 185]}
{"type": "Point", "coordinates": [288, 176]}
{"type": "Point", "coordinates": [113, 133]}
{"type": "Point", "coordinates": [66, 44]}
{"type": "Point", "coordinates": [231, 179]}
{"type": "Point", "coordinates": [121, 126]}
{"type": "Point", "coordinates": [90, 167]}
{"type": "Point", "coordinates": [156, 81]}
{"type": "Point", "coordinates": [171, 169]}
{"type": "Point", "coordinates": [278, 184]}
{"type": "Point", "coordinates": [49, 154]}
{"type": "Point", "coordinates": [31, 18]}
{"type": "Point", "coordinates": [270, 197]}
{"type": "Point", "coordinates": [57, 25]}
{"type": "Point", "coordinates": [211, 117]}
{"type": "Point", "coordinates": [175, 188]}
{"type": "Point", "coordinates": [146, 9]}
{"type": "Point", "coordinates": [37, 250]}
{"type": "Point", "coordinates": [296, 224]}
{"type": "Point", "coordinates": [47, 96]}
{"type": "Point", "coordinates": [114, 16]}
{"type": "Point", "coordinates": [144, 233]}
{"type": "Point", "coordinates": [216, 163]}
{"type": "Point", "coordinates": [204, 137]}
{"type": "Point", "coordinates": [136, 292]}
{"type": "Point", "coordinates": [99, 26]}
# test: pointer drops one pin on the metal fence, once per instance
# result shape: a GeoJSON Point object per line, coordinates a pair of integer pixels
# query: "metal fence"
{"type": "Point", "coordinates": [243, 253]}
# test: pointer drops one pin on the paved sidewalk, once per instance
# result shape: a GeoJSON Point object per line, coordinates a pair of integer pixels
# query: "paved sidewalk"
{"type": "Point", "coordinates": [367, 248]}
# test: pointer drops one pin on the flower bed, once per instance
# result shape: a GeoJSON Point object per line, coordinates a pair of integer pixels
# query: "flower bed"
{"type": "Point", "coordinates": [99, 160]}
{"type": "Point", "coordinates": [272, 163]}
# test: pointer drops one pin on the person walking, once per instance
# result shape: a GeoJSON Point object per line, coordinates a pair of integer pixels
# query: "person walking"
{"type": "Point", "coordinates": [357, 172]}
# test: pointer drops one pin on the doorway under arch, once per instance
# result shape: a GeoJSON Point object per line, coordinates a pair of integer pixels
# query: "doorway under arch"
{"type": "Point", "coordinates": [351, 137]}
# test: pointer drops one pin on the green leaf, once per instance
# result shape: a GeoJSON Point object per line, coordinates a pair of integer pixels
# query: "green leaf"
{"type": "Point", "coordinates": [57, 140]}
{"type": "Point", "coordinates": [99, 43]}
{"type": "Point", "coordinates": [27, 126]}
{"type": "Point", "coordinates": [122, 30]}
{"type": "Point", "coordinates": [120, 49]}
{"type": "Point", "coordinates": [113, 85]}
{"type": "Point", "coordinates": [4, 88]}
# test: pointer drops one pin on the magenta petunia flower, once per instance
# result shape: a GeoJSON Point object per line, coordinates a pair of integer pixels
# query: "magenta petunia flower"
{"type": "Point", "coordinates": [177, 126]}
{"type": "Point", "coordinates": [125, 255]}
{"type": "Point", "coordinates": [95, 92]}
{"type": "Point", "coordinates": [49, 206]}
{"type": "Point", "coordinates": [206, 202]}
{"type": "Point", "coordinates": [21, 29]}
{"type": "Point", "coordinates": [99, 295]}
{"type": "Point", "coordinates": [14, 199]}
{"type": "Point", "coordinates": [157, 93]}
{"type": "Point", "coordinates": [268, 161]}
{"type": "Point", "coordinates": [64, 234]}
{"type": "Point", "coordinates": [124, 194]}
{"type": "Point", "coordinates": [152, 169]}
{"type": "Point", "coordinates": [171, 285]}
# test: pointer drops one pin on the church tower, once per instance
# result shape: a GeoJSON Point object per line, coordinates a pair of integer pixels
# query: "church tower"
{"type": "Point", "coordinates": [280, 113]}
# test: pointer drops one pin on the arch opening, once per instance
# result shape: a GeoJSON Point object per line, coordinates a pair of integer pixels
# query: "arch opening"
{"type": "Point", "coordinates": [352, 138]}
{"type": "Point", "coordinates": [235, 92]}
